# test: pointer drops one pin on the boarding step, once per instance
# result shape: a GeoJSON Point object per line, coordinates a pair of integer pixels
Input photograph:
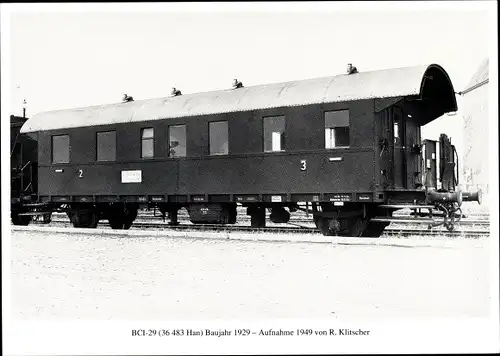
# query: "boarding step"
{"type": "Point", "coordinates": [402, 219]}
{"type": "Point", "coordinates": [34, 213]}
{"type": "Point", "coordinates": [34, 205]}
{"type": "Point", "coordinates": [438, 214]}
{"type": "Point", "coordinates": [405, 206]}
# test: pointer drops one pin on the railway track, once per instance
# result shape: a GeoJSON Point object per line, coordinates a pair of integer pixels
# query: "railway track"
{"type": "Point", "coordinates": [478, 221]}
{"type": "Point", "coordinates": [286, 229]}
{"type": "Point", "coordinates": [474, 226]}
{"type": "Point", "coordinates": [435, 233]}
{"type": "Point", "coordinates": [468, 224]}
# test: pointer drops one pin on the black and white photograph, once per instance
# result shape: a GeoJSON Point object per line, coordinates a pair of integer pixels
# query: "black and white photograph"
{"type": "Point", "coordinates": [250, 178]}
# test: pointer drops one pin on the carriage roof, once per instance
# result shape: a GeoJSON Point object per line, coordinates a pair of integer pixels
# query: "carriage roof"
{"type": "Point", "coordinates": [389, 83]}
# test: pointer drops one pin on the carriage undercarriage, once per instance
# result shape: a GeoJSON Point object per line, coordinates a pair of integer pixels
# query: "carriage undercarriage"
{"type": "Point", "coordinates": [433, 208]}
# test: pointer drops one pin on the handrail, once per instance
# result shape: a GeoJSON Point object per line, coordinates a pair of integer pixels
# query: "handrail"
{"type": "Point", "coordinates": [22, 169]}
{"type": "Point", "coordinates": [29, 185]}
{"type": "Point", "coordinates": [15, 143]}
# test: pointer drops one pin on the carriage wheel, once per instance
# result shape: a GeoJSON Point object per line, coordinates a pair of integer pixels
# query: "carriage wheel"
{"type": "Point", "coordinates": [352, 227]}
{"type": "Point", "coordinates": [359, 227]}
{"type": "Point", "coordinates": [121, 218]}
{"type": "Point", "coordinates": [84, 219]}
{"type": "Point", "coordinates": [355, 227]}
{"type": "Point", "coordinates": [327, 226]}
{"type": "Point", "coordinates": [129, 217]}
{"type": "Point", "coordinates": [22, 220]}
{"type": "Point", "coordinates": [233, 213]}
{"type": "Point", "coordinates": [115, 223]}
{"type": "Point", "coordinates": [375, 229]}
{"type": "Point", "coordinates": [47, 218]}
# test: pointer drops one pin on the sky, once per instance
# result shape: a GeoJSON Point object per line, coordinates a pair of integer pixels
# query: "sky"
{"type": "Point", "coordinates": [71, 59]}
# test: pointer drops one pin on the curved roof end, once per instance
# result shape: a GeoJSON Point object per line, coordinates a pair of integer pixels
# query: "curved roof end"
{"type": "Point", "coordinates": [437, 92]}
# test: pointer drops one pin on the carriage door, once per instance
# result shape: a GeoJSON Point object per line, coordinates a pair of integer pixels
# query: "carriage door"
{"type": "Point", "coordinates": [399, 136]}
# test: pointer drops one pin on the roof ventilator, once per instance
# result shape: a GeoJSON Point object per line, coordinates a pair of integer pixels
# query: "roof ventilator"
{"type": "Point", "coordinates": [127, 98]}
{"type": "Point", "coordinates": [237, 84]}
{"type": "Point", "coordinates": [175, 92]}
{"type": "Point", "coordinates": [351, 69]}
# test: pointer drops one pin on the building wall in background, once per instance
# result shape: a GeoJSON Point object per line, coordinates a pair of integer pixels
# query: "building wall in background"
{"type": "Point", "coordinates": [476, 156]}
{"type": "Point", "coordinates": [474, 112]}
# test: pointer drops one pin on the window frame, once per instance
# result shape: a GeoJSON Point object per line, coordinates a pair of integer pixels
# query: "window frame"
{"type": "Point", "coordinates": [52, 148]}
{"type": "Point", "coordinates": [335, 127]}
{"type": "Point", "coordinates": [168, 140]}
{"type": "Point", "coordinates": [227, 136]}
{"type": "Point", "coordinates": [97, 146]}
{"type": "Point", "coordinates": [147, 139]}
{"type": "Point", "coordinates": [283, 134]}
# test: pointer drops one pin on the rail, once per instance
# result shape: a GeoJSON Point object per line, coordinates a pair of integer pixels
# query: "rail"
{"type": "Point", "coordinates": [399, 232]}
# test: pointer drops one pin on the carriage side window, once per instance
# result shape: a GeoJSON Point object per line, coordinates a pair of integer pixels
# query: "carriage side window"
{"type": "Point", "coordinates": [147, 144]}
{"type": "Point", "coordinates": [177, 141]}
{"type": "Point", "coordinates": [60, 149]}
{"type": "Point", "coordinates": [274, 133]}
{"type": "Point", "coordinates": [106, 146]}
{"type": "Point", "coordinates": [218, 138]}
{"type": "Point", "coordinates": [337, 129]}
{"type": "Point", "coordinates": [398, 127]}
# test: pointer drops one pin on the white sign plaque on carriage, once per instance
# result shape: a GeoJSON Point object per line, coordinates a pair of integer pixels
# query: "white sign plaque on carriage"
{"type": "Point", "coordinates": [132, 176]}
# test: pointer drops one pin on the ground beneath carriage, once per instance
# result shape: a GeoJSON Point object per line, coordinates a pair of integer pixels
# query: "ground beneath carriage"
{"type": "Point", "coordinates": [71, 276]}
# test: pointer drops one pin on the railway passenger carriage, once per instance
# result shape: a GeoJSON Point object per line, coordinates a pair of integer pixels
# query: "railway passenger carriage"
{"type": "Point", "coordinates": [23, 158]}
{"type": "Point", "coordinates": [347, 148]}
